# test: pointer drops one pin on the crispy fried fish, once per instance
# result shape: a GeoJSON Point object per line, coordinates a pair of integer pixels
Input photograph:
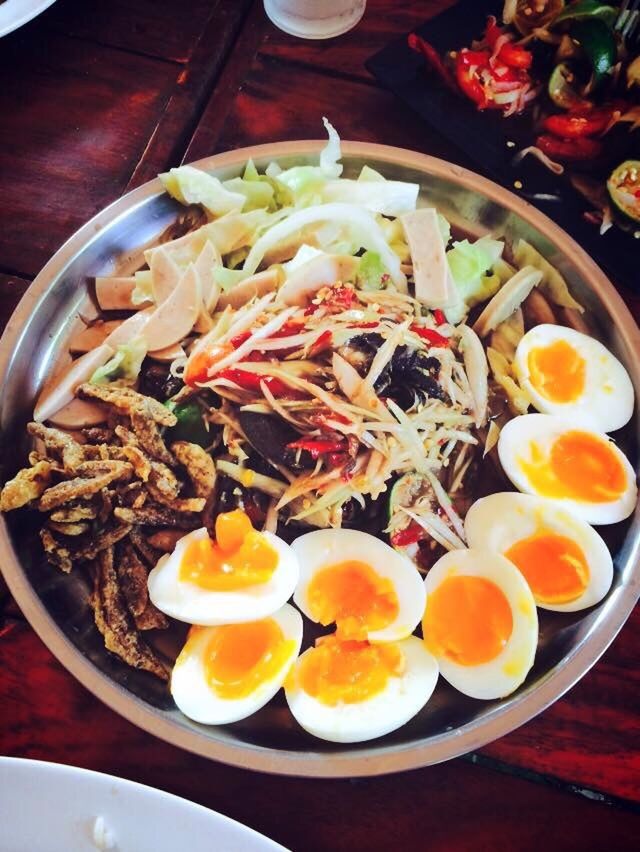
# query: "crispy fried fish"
{"type": "Point", "coordinates": [26, 486]}
{"type": "Point", "coordinates": [114, 622]}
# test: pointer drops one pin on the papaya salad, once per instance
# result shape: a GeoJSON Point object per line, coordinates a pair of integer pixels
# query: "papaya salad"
{"type": "Point", "coordinates": [314, 388]}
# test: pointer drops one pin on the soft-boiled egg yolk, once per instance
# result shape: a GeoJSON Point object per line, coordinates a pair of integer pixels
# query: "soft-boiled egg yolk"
{"type": "Point", "coordinates": [557, 371]}
{"type": "Point", "coordinates": [240, 556]}
{"type": "Point", "coordinates": [240, 657]}
{"type": "Point", "coordinates": [353, 595]}
{"type": "Point", "coordinates": [348, 671]}
{"type": "Point", "coordinates": [553, 565]}
{"type": "Point", "coordinates": [468, 620]}
{"type": "Point", "coordinates": [580, 466]}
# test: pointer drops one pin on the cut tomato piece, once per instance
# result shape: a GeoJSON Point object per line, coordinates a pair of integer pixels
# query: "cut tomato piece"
{"type": "Point", "coordinates": [569, 150]}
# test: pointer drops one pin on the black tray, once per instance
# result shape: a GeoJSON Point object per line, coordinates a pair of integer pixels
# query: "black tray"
{"type": "Point", "coordinates": [483, 136]}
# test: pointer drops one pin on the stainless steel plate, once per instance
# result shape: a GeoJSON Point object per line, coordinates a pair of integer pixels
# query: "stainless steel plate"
{"type": "Point", "coordinates": [56, 604]}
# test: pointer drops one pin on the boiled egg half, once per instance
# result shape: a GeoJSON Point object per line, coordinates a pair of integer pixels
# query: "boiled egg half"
{"type": "Point", "coordinates": [243, 575]}
{"type": "Point", "coordinates": [565, 562]}
{"type": "Point", "coordinates": [348, 691]}
{"type": "Point", "coordinates": [480, 622]}
{"type": "Point", "coordinates": [358, 582]}
{"type": "Point", "coordinates": [579, 468]}
{"type": "Point", "coordinates": [571, 374]}
{"type": "Point", "coordinates": [228, 672]}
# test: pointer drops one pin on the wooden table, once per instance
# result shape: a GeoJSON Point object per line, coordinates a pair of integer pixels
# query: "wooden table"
{"type": "Point", "coordinates": [96, 98]}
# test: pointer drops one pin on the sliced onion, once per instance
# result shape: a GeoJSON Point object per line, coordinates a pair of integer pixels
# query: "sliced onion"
{"type": "Point", "coordinates": [506, 85]}
{"type": "Point", "coordinates": [500, 43]}
{"type": "Point", "coordinates": [504, 98]}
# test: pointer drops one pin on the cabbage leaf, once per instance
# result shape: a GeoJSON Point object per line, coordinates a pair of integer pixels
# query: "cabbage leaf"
{"type": "Point", "coordinates": [552, 284]}
{"type": "Point", "coordinates": [359, 224]}
{"type": "Point", "coordinates": [470, 264]}
{"type": "Point", "coordinates": [372, 273]}
{"type": "Point", "coordinates": [189, 185]}
{"type": "Point", "coordinates": [124, 366]}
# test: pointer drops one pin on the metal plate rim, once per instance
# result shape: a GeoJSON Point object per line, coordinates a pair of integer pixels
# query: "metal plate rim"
{"type": "Point", "coordinates": [377, 759]}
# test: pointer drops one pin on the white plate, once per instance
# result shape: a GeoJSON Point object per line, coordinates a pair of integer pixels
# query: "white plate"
{"type": "Point", "coordinates": [46, 807]}
{"type": "Point", "coordinates": [15, 13]}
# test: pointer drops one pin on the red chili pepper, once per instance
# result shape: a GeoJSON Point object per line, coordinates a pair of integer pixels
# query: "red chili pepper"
{"type": "Point", "coordinates": [512, 55]}
{"type": "Point", "coordinates": [364, 324]}
{"type": "Point", "coordinates": [577, 125]}
{"type": "Point", "coordinates": [570, 150]}
{"type": "Point", "coordinates": [341, 298]}
{"type": "Point", "coordinates": [408, 535]}
{"type": "Point", "coordinates": [492, 32]}
{"type": "Point", "coordinates": [247, 380]}
{"type": "Point", "coordinates": [239, 339]}
{"type": "Point", "coordinates": [468, 62]}
{"type": "Point", "coordinates": [432, 60]}
{"type": "Point", "coordinates": [319, 446]}
{"type": "Point", "coordinates": [320, 420]}
{"type": "Point", "coordinates": [325, 341]}
{"type": "Point", "coordinates": [290, 328]}
{"type": "Point", "coordinates": [515, 56]}
{"type": "Point", "coordinates": [428, 334]}
{"type": "Point", "coordinates": [439, 316]}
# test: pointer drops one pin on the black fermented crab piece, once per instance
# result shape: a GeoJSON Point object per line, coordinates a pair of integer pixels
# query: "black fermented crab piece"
{"type": "Point", "coordinates": [410, 374]}
{"type": "Point", "coordinates": [269, 435]}
{"type": "Point", "coordinates": [157, 381]}
{"type": "Point", "coordinates": [370, 342]}
{"type": "Point", "coordinates": [360, 350]}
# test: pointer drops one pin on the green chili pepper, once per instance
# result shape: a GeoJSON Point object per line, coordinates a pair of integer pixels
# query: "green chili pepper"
{"type": "Point", "coordinates": [598, 45]}
{"type": "Point", "coordinates": [563, 86]}
{"type": "Point", "coordinates": [585, 10]}
{"type": "Point", "coordinates": [623, 187]}
{"type": "Point", "coordinates": [190, 426]}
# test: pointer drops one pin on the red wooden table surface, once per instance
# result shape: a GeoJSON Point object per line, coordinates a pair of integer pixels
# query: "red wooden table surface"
{"type": "Point", "coordinates": [96, 98]}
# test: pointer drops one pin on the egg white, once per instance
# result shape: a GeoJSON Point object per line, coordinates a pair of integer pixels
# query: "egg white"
{"type": "Point", "coordinates": [197, 700]}
{"type": "Point", "coordinates": [322, 548]}
{"type": "Point", "coordinates": [499, 521]}
{"type": "Point", "coordinates": [401, 699]}
{"type": "Point", "coordinates": [544, 430]}
{"type": "Point", "coordinates": [507, 671]}
{"type": "Point", "coordinates": [608, 397]}
{"type": "Point", "coordinates": [188, 602]}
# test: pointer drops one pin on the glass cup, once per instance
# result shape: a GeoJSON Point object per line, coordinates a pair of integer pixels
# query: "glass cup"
{"type": "Point", "coordinates": [315, 18]}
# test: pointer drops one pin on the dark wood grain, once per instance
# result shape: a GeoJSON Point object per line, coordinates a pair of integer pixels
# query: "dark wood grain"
{"type": "Point", "coordinates": [454, 807]}
{"type": "Point", "coordinates": [590, 737]}
{"type": "Point", "coordinates": [76, 118]}
{"type": "Point", "coordinates": [194, 84]}
{"type": "Point", "coordinates": [12, 289]}
{"type": "Point", "coordinates": [212, 121]}
{"type": "Point", "coordinates": [260, 113]}
{"type": "Point", "coordinates": [97, 98]}
{"type": "Point", "coordinates": [152, 27]}
{"type": "Point", "coordinates": [346, 54]}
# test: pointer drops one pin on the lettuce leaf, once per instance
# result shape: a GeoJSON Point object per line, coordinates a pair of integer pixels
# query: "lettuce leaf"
{"type": "Point", "coordinates": [124, 366]}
